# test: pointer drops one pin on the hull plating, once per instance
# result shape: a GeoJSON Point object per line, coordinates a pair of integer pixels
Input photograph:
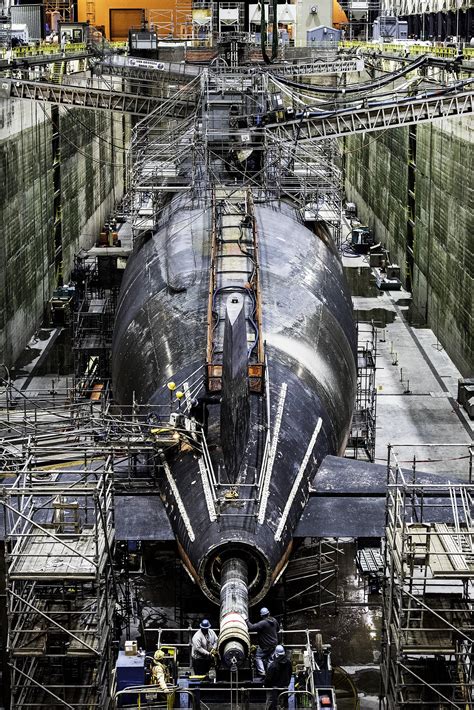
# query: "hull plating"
{"type": "Point", "coordinates": [310, 347]}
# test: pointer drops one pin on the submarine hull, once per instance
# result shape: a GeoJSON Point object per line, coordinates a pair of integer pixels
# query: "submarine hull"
{"type": "Point", "coordinates": [310, 349]}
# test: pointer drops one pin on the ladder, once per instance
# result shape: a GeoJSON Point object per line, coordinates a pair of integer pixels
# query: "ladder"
{"type": "Point", "coordinates": [234, 268]}
{"type": "Point", "coordinates": [57, 72]}
{"type": "Point", "coordinates": [183, 19]}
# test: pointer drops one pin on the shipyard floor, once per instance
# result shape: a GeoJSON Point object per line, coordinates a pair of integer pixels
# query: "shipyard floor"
{"type": "Point", "coordinates": [417, 414]}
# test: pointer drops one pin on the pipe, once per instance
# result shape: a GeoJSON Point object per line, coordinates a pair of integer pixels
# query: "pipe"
{"type": "Point", "coordinates": [234, 639]}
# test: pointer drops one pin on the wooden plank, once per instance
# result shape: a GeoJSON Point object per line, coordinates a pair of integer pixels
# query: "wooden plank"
{"type": "Point", "coordinates": [75, 648]}
{"type": "Point", "coordinates": [50, 559]}
{"type": "Point", "coordinates": [438, 561]}
{"type": "Point", "coordinates": [448, 541]}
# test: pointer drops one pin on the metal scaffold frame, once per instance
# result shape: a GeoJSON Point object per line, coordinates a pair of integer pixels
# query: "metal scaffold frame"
{"type": "Point", "coordinates": [361, 442]}
{"type": "Point", "coordinates": [64, 7]}
{"type": "Point", "coordinates": [161, 159]}
{"type": "Point", "coordinates": [312, 578]}
{"type": "Point", "coordinates": [169, 155]}
{"type": "Point", "coordinates": [428, 596]}
{"type": "Point", "coordinates": [93, 322]}
{"type": "Point", "coordinates": [308, 174]}
{"type": "Point", "coordinates": [59, 536]}
{"type": "Point", "coordinates": [177, 22]}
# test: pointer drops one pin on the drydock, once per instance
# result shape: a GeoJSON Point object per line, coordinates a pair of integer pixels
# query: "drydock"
{"type": "Point", "coordinates": [237, 377]}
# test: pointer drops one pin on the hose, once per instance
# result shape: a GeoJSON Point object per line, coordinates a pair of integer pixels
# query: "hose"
{"type": "Point", "coordinates": [350, 682]}
{"type": "Point", "coordinates": [356, 88]}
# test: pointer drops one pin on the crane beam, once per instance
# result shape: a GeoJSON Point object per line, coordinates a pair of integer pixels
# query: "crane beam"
{"type": "Point", "coordinates": [389, 114]}
{"type": "Point", "coordinates": [95, 99]}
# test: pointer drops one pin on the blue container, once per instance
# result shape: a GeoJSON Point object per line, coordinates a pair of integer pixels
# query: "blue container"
{"type": "Point", "coordinates": [130, 671]}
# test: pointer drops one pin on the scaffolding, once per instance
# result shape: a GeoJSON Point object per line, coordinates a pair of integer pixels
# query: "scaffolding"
{"type": "Point", "coordinates": [64, 7]}
{"type": "Point", "coordinates": [428, 596]}
{"type": "Point", "coordinates": [312, 578]}
{"type": "Point", "coordinates": [215, 146]}
{"type": "Point", "coordinates": [59, 535]}
{"type": "Point", "coordinates": [161, 158]}
{"type": "Point", "coordinates": [361, 444]}
{"type": "Point", "coordinates": [176, 22]}
{"type": "Point", "coordinates": [93, 323]}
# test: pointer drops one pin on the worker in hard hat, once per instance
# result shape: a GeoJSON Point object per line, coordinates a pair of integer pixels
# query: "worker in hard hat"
{"type": "Point", "coordinates": [203, 648]}
{"type": "Point", "coordinates": [278, 676]}
{"type": "Point", "coordinates": [159, 671]}
{"type": "Point", "coordinates": [267, 634]}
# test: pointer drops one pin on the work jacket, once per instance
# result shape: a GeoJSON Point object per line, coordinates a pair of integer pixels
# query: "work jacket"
{"type": "Point", "coordinates": [267, 632]}
{"type": "Point", "coordinates": [158, 673]}
{"type": "Point", "coordinates": [202, 644]}
{"type": "Point", "coordinates": [278, 673]}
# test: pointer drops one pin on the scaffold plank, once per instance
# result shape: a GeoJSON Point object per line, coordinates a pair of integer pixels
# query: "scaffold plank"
{"type": "Point", "coordinates": [40, 557]}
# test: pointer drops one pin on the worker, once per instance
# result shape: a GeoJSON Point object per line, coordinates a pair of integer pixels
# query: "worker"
{"type": "Point", "coordinates": [267, 634]}
{"type": "Point", "coordinates": [64, 41]}
{"type": "Point", "coordinates": [278, 677]}
{"type": "Point", "coordinates": [203, 648]}
{"type": "Point", "coordinates": [159, 671]}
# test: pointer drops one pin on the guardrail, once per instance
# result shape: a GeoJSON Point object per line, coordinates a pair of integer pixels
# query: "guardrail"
{"type": "Point", "coordinates": [42, 50]}
{"type": "Point", "coordinates": [238, 697]}
{"type": "Point", "coordinates": [46, 49]}
{"type": "Point", "coordinates": [412, 49]}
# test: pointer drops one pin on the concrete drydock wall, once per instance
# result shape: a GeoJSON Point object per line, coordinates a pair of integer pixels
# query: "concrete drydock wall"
{"type": "Point", "coordinates": [414, 186]}
{"type": "Point", "coordinates": [27, 242]}
{"type": "Point", "coordinates": [61, 171]}
{"type": "Point", "coordinates": [92, 157]}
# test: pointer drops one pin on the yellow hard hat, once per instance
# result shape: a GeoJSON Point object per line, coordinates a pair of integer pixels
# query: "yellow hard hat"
{"type": "Point", "coordinates": [171, 386]}
{"type": "Point", "coordinates": [159, 655]}
{"type": "Point", "coordinates": [179, 394]}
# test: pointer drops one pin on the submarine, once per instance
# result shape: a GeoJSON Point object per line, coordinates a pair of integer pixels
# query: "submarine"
{"type": "Point", "coordinates": [235, 339]}
{"type": "Point", "coordinates": [235, 334]}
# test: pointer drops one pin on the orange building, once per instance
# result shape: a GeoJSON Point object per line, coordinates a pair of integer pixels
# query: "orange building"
{"type": "Point", "coordinates": [166, 17]}
{"type": "Point", "coordinates": [116, 17]}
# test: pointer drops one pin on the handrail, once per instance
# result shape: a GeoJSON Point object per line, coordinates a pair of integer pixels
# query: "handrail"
{"type": "Point", "coordinates": [437, 50]}
{"type": "Point", "coordinates": [296, 692]}
{"type": "Point", "coordinates": [176, 689]}
{"type": "Point", "coordinates": [152, 690]}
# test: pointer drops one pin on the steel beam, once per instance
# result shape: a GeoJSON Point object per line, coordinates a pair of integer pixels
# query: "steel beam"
{"type": "Point", "coordinates": [91, 98]}
{"type": "Point", "coordinates": [373, 118]}
{"type": "Point", "coordinates": [132, 68]}
{"type": "Point", "coordinates": [318, 66]}
{"type": "Point", "coordinates": [38, 60]}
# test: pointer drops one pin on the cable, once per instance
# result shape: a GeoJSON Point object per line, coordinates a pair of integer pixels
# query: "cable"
{"type": "Point", "coordinates": [311, 114]}
{"type": "Point", "coordinates": [92, 132]}
{"type": "Point", "coordinates": [335, 102]}
{"type": "Point", "coordinates": [355, 692]}
{"type": "Point", "coordinates": [357, 88]}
